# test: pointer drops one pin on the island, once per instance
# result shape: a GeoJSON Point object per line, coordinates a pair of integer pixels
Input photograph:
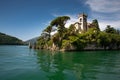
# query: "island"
{"type": "Point", "coordinates": [78, 36]}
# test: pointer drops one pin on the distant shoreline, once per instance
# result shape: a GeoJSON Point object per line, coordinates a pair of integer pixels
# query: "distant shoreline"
{"type": "Point", "coordinates": [13, 45]}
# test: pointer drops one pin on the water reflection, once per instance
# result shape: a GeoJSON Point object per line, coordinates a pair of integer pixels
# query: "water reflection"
{"type": "Point", "coordinates": [79, 65]}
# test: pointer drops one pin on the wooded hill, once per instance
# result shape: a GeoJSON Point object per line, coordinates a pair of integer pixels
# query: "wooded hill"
{"type": "Point", "coordinates": [9, 40]}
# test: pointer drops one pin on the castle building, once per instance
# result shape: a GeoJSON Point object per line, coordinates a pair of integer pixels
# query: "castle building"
{"type": "Point", "coordinates": [81, 25]}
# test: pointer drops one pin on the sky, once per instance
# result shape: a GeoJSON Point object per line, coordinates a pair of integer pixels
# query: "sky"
{"type": "Point", "coordinates": [26, 19]}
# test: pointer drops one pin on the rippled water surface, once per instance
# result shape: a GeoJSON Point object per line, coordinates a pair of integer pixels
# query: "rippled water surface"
{"type": "Point", "coordinates": [21, 63]}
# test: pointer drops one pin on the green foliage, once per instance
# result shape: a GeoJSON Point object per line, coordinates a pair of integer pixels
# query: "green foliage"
{"type": "Point", "coordinates": [41, 42]}
{"type": "Point", "coordinates": [60, 23]}
{"type": "Point", "coordinates": [74, 41]}
{"type": "Point", "coordinates": [79, 43]}
{"type": "Point", "coordinates": [55, 38]}
{"type": "Point", "coordinates": [95, 24]}
{"type": "Point", "coordinates": [104, 39]}
{"type": "Point", "coordinates": [71, 30]}
{"type": "Point", "coordinates": [48, 29]}
{"type": "Point", "coordinates": [91, 35]}
{"type": "Point", "coordinates": [66, 44]}
{"type": "Point", "coordinates": [110, 29]}
{"type": "Point", "coordinates": [9, 40]}
{"type": "Point", "coordinates": [50, 42]}
{"type": "Point", "coordinates": [118, 32]}
{"type": "Point", "coordinates": [108, 40]}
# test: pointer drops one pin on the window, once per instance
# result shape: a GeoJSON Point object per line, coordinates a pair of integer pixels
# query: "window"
{"type": "Point", "coordinates": [85, 19]}
{"type": "Point", "coordinates": [80, 20]}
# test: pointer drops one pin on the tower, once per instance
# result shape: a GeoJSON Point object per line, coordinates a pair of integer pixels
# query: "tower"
{"type": "Point", "coordinates": [83, 22]}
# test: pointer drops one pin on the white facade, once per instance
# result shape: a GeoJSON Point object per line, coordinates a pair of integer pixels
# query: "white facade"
{"type": "Point", "coordinates": [81, 25]}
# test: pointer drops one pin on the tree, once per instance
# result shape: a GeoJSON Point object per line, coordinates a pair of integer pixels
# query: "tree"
{"type": "Point", "coordinates": [72, 30]}
{"type": "Point", "coordinates": [60, 22]}
{"type": "Point", "coordinates": [110, 29]}
{"type": "Point", "coordinates": [92, 35]}
{"type": "Point", "coordinates": [104, 39]}
{"type": "Point", "coordinates": [69, 32]}
{"type": "Point", "coordinates": [118, 31]}
{"type": "Point", "coordinates": [41, 42]}
{"type": "Point", "coordinates": [95, 24]}
{"type": "Point", "coordinates": [48, 30]}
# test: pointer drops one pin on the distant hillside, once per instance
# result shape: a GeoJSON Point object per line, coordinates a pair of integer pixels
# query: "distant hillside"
{"type": "Point", "coordinates": [9, 40]}
{"type": "Point", "coordinates": [32, 41]}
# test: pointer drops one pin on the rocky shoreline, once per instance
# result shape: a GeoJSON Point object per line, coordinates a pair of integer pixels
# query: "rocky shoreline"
{"type": "Point", "coordinates": [89, 47]}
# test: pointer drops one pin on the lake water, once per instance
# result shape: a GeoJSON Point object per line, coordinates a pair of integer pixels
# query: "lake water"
{"type": "Point", "coordinates": [21, 63]}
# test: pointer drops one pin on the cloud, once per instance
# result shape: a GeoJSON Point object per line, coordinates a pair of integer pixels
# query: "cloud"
{"type": "Point", "coordinates": [72, 20]}
{"type": "Point", "coordinates": [105, 6]}
{"type": "Point", "coordinates": [103, 24]}
{"type": "Point", "coordinates": [106, 11]}
{"type": "Point", "coordinates": [103, 19]}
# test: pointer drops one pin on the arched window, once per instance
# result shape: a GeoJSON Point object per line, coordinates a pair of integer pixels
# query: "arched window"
{"type": "Point", "coordinates": [80, 20]}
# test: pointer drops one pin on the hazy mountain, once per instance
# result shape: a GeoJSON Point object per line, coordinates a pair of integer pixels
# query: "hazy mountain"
{"type": "Point", "coordinates": [9, 40]}
{"type": "Point", "coordinates": [32, 41]}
